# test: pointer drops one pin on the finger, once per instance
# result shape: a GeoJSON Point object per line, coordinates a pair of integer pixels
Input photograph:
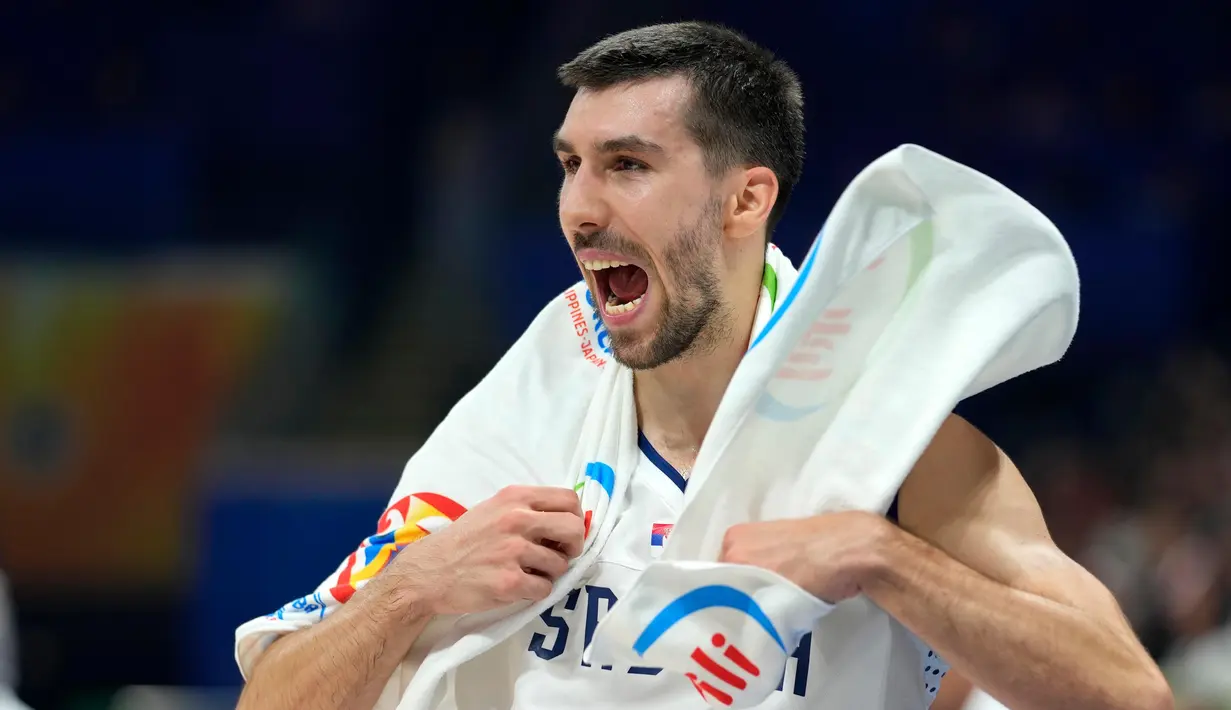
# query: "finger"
{"type": "Point", "coordinates": [543, 560]}
{"type": "Point", "coordinates": [565, 530]}
{"type": "Point", "coordinates": [552, 499]}
{"type": "Point", "coordinates": [534, 588]}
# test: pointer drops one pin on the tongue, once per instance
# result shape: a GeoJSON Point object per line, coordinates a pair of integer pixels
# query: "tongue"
{"type": "Point", "coordinates": [628, 283]}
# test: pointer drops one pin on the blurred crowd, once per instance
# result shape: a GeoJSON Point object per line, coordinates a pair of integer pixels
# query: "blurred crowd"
{"type": "Point", "coordinates": [1147, 509]}
{"type": "Point", "coordinates": [280, 238]}
{"type": "Point", "coordinates": [1149, 513]}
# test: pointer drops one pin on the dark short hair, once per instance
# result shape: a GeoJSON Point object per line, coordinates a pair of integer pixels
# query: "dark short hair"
{"type": "Point", "coordinates": [747, 106]}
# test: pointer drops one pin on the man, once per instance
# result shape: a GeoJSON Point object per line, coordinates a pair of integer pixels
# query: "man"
{"type": "Point", "coordinates": [679, 153]}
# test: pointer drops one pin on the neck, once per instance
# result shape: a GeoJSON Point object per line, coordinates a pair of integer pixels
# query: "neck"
{"type": "Point", "coordinates": [676, 402]}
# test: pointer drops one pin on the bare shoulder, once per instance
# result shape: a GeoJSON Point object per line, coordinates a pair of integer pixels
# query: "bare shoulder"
{"type": "Point", "coordinates": [963, 475]}
{"type": "Point", "coordinates": [967, 498]}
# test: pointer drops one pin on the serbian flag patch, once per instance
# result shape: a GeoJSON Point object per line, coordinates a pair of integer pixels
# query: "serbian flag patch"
{"type": "Point", "coordinates": [659, 533]}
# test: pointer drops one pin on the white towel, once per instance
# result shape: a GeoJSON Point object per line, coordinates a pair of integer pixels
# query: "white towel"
{"type": "Point", "coordinates": [930, 282]}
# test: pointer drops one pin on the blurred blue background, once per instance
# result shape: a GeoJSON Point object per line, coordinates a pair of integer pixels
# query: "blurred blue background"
{"type": "Point", "coordinates": [251, 253]}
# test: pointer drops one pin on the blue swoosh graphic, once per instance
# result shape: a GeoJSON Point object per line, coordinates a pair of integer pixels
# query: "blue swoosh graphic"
{"type": "Point", "coordinates": [700, 599]}
{"type": "Point", "coordinates": [790, 297]}
{"type": "Point", "coordinates": [602, 473]}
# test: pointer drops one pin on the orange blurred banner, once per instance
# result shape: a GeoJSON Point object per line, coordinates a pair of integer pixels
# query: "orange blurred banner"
{"type": "Point", "coordinates": [112, 381]}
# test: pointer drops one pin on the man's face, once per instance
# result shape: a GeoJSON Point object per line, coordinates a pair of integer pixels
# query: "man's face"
{"type": "Point", "coordinates": [644, 220]}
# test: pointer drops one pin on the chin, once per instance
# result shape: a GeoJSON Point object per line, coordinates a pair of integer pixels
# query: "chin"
{"type": "Point", "coordinates": [633, 353]}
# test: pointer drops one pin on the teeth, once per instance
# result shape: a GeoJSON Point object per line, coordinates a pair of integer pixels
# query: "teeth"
{"type": "Point", "coordinates": [615, 310]}
{"type": "Point", "coordinates": [600, 264]}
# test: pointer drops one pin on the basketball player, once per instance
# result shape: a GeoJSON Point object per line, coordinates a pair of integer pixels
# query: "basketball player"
{"type": "Point", "coordinates": [678, 155]}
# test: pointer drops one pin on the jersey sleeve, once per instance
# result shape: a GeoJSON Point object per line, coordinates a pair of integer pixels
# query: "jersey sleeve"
{"type": "Point", "coordinates": [409, 518]}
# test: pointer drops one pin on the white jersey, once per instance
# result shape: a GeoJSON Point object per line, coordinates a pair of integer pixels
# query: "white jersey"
{"type": "Point", "coordinates": [541, 665]}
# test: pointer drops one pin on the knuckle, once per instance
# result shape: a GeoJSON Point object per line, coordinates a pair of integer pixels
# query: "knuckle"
{"type": "Point", "coordinates": [551, 566]}
{"type": "Point", "coordinates": [730, 542]}
{"type": "Point", "coordinates": [540, 590]}
{"type": "Point", "coordinates": [523, 548]}
{"type": "Point", "coordinates": [511, 493]}
{"type": "Point", "coordinates": [514, 548]}
{"type": "Point", "coordinates": [515, 520]}
{"type": "Point", "coordinates": [507, 583]}
{"type": "Point", "coordinates": [573, 543]}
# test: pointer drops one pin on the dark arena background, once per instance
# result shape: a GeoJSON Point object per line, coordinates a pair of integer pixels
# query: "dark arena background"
{"type": "Point", "coordinates": [252, 252]}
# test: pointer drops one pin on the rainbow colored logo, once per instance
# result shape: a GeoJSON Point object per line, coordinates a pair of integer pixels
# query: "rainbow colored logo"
{"type": "Point", "coordinates": [409, 519]}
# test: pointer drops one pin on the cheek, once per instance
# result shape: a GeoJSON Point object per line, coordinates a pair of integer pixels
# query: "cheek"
{"type": "Point", "coordinates": [651, 219]}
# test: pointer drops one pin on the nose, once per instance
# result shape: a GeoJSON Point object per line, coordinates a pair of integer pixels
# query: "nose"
{"type": "Point", "coordinates": [583, 206]}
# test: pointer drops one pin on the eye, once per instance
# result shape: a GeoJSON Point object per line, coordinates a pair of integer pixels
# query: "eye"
{"type": "Point", "coordinates": [570, 164]}
{"type": "Point", "coordinates": [628, 164]}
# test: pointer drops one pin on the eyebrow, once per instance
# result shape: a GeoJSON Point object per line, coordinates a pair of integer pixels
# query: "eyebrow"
{"type": "Point", "coordinates": [623, 144]}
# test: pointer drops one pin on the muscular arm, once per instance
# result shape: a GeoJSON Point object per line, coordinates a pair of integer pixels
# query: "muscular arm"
{"type": "Point", "coordinates": [974, 574]}
{"type": "Point", "coordinates": [344, 662]}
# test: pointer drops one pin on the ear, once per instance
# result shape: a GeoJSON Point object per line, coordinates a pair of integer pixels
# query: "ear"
{"type": "Point", "coordinates": [755, 195]}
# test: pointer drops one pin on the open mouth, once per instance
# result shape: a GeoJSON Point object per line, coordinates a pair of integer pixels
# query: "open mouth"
{"type": "Point", "coordinates": [621, 286]}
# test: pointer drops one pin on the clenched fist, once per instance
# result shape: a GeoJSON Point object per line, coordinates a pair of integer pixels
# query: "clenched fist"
{"type": "Point", "coordinates": [509, 548]}
{"type": "Point", "coordinates": [826, 555]}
